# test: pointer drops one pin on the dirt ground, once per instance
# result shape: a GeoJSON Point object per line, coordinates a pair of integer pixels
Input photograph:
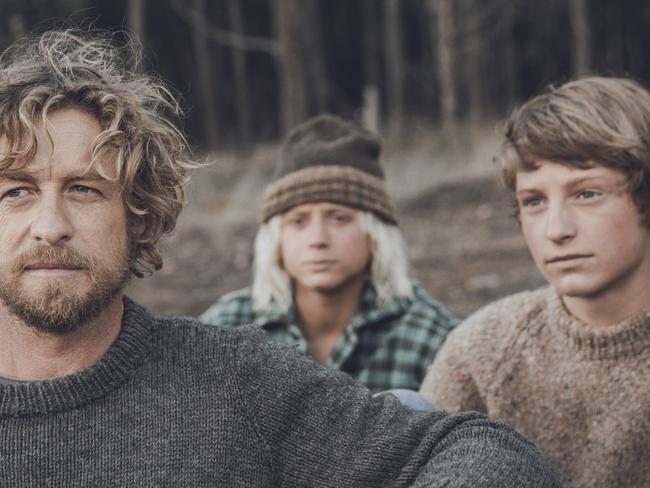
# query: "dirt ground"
{"type": "Point", "coordinates": [464, 246]}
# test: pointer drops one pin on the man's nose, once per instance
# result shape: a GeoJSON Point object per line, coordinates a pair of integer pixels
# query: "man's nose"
{"type": "Point", "coordinates": [560, 223]}
{"type": "Point", "coordinates": [51, 222]}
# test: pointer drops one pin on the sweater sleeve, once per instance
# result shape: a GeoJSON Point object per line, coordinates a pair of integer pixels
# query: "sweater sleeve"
{"type": "Point", "coordinates": [318, 428]}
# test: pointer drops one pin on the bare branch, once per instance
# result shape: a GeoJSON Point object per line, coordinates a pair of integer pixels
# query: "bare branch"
{"type": "Point", "coordinates": [221, 36]}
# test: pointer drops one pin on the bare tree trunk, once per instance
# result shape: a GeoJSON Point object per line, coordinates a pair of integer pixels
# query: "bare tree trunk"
{"type": "Point", "coordinates": [580, 27]}
{"type": "Point", "coordinates": [293, 100]}
{"type": "Point", "coordinates": [475, 40]}
{"type": "Point", "coordinates": [242, 107]}
{"type": "Point", "coordinates": [208, 107]}
{"type": "Point", "coordinates": [371, 67]}
{"type": "Point", "coordinates": [504, 84]}
{"type": "Point", "coordinates": [510, 75]}
{"type": "Point", "coordinates": [370, 115]}
{"type": "Point", "coordinates": [370, 33]}
{"type": "Point", "coordinates": [135, 18]}
{"type": "Point", "coordinates": [394, 65]}
{"type": "Point", "coordinates": [16, 24]}
{"type": "Point", "coordinates": [313, 53]}
{"type": "Point", "coordinates": [443, 43]}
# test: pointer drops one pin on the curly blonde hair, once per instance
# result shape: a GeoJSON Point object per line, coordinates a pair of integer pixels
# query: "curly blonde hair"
{"type": "Point", "coordinates": [585, 121]}
{"type": "Point", "coordinates": [93, 72]}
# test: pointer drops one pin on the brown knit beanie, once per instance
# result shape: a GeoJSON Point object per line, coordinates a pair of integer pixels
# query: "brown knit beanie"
{"type": "Point", "coordinates": [327, 159]}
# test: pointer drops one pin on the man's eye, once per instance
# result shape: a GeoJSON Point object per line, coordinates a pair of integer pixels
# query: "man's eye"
{"type": "Point", "coordinates": [343, 218]}
{"type": "Point", "coordinates": [16, 193]}
{"type": "Point", "coordinates": [82, 189]}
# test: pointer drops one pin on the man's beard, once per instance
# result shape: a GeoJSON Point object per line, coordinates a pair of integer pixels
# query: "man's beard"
{"type": "Point", "coordinates": [56, 306]}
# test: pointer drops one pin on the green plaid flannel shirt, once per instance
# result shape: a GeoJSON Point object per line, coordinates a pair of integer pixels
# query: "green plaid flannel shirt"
{"type": "Point", "coordinates": [382, 348]}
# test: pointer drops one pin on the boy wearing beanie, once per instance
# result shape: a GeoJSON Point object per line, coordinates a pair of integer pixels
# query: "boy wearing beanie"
{"type": "Point", "coordinates": [568, 364]}
{"type": "Point", "coordinates": [330, 269]}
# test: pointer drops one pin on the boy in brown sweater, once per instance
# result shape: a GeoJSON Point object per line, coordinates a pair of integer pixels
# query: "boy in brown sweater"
{"type": "Point", "coordinates": [568, 364]}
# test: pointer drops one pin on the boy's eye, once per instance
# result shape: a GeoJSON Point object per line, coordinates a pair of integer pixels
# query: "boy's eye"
{"type": "Point", "coordinates": [532, 202]}
{"type": "Point", "coordinates": [295, 220]}
{"type": "Point", "coordinates": [587, 194]}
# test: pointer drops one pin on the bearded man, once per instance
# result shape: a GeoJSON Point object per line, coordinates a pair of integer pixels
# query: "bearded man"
{"type": "Point", "coordinates": [95, 391]}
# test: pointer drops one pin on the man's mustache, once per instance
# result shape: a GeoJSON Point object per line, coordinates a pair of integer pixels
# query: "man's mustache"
{"type": "Point", "coordinates": [52, 256]}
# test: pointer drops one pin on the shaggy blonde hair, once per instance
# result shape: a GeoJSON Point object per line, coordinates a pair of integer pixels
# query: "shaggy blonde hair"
{"type": "Point", "coordinates": [68, 68]}
{"type": "Point", "coordinates": [586, 121]}
{"type": "Point", "coordinates": [388, 267]}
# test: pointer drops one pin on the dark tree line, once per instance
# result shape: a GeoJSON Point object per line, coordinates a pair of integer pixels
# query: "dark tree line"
{"type": "Point", "coordinates": [249, 69]}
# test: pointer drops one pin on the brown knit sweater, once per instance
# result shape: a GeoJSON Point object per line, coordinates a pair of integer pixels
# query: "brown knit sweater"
{"type": "Point", "coordinates": [581, 392]}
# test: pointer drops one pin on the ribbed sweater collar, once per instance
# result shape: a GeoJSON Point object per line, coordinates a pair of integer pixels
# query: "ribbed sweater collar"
{"type": "Point", "coordinates": [627, 338]}
{"type": "Point", "coordinates": [71, 391]}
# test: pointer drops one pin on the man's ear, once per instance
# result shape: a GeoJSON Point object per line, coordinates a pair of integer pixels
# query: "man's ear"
{"type": "Point", "coordinates": [369, 263]}
{"type": "Point", "coordinates": [137, 226]}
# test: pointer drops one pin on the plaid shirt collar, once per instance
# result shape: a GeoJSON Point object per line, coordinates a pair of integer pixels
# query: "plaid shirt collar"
{"type": "Point", "coordinates": [367, 314]}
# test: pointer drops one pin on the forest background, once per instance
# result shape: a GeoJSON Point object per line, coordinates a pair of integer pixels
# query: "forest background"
{"type": "Point", "coordinates": [434, 77]}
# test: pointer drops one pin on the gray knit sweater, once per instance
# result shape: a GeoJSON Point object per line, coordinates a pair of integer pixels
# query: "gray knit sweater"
{"type": "Point", "coordinates": [175, 403]}
{"type": "Point", "coordinates": [581, 392]}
